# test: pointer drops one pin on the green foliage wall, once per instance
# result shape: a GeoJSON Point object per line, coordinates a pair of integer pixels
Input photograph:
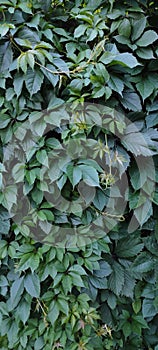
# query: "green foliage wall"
{"type": "Point", "coordinates": [99, 293]}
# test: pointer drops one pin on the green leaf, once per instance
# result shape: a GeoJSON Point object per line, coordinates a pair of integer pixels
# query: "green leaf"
{"type": "Point", "coordinates": [37, 123]}
{"type": "Point", "coordinates": [16, 291]}
{"type": "Point", "coordinates": [77, 269]}
{"type": "Point", "coordinates": [136, 199]}
{"type": "Point", "coordinates": [124, 40]}
{"type": "Point", "coordinates": [148, 308]}
{"type": "Point", "coordinates": [53, 313]}
{"type": "Point", "coordinates": [4, 28]}
{"type": "Point", "coordinates": [79, 31]}
{"type": "Point", "coordinates": [116, 84]}
{"type": "Point", "coordinates": [31, 35]}
{"type": "Point", "coordinates": [37, 195]}
{"type": "Point", "coordinates": [1, 101]}
{"type": "Point", "coordinates": [99, 283]}
{"type": "Point", "coordinates": [131, 101]}
{"type": "Point", "coordinates": [92, 35]}
{"type": "Point", "coordinates": [147, 38]}
{"type": "Point", "coordinates": [76, 85]}
{"type": "Point", "coordinates": [18, 83]}
{"type": "Point", "coordinates": [86, 192]}
{"type": "Point", "coordinates": [127, 329]}
{"type": "Point", "coordinates": [90, 175]}
{"type": "Point", "coordinates": [63, 306]}
{"type": "Point", "coordinates": [48, 214]}
{"type": "Point", "coordinates": [145, 53]}
{"type": "Point", "coordinates": [10, 94]}
{"type": "Point", "coordinates": [128, 247]}
{"type": "Point", "coordinates": [30, 59]}
{"type": "Point", "coordinates": [138, 177]}
{"type": "Point", "coordinates": [4, 120]}
{"type": "Point", "coordinates": [116, 279]}
{"type": "Point", "coordinates": [18, 172]}
{"type": "Point", "coordinates": [25, 7]}
{"type": "Point", "coordinates": [129, 285]}
{"type": "Point", "coordinates": [104, 271]}
{"type": "Point", "coordinates": [145, 88]}
{"type": "Point", "coordinates": [10, 196]}
{"type": "Point", "coordinates": [42, 157]}
{"type": "Point", "coordinates": [143, 263]}
{"type": "Point", "coordinates": [33, 80]}
{"type": "Point", "coordinates": [143, 212]}
{"type": "Point", "coordinates": [32, 285]}
{"type": "Point", "coordinates": [138, 27]}
{"type": "Point", "coordinates": [24, 43]}
{"type": "Point", "coordinates": [126, 59]}
{"type": "Point", "coordinates": [98, 92]}
{"type": "Point", "coordinates": [125, 27]}
{"type": "Point", "coordinates": [142, 141]}
{"type": "Point", "coordinates": [22, 62]}
{"type": "Point", "coordinates": [107, 57]}
{"type": "Point", "coordinates": [100, 200]}
{"type": "Point", "coordinates": [76, 279]}
{"type": "Point", "coordinates": [6, 56]}
{"type": "Point", "coordinates": [48, 72]}
{"type": "Point", "coordinates": [77, 175]}
{"type": "Point", "coordinates": [137, 306]}
{"type": "Point", "coordinates": [112, 301]}
{"type": "Point", "coordinates": [61, 65]}
{"type": "Point", "coordinates": [67, 283]}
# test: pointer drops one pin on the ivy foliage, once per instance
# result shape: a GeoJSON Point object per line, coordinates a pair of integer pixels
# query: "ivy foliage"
{"type": "Point", "coordinates": [97, 289]}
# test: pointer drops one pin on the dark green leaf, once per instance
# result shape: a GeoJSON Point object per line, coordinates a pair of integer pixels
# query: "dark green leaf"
{"type": "Point", "coordinates": [32, 285]}
{"type": "Point", "coordinates": [33, 80]}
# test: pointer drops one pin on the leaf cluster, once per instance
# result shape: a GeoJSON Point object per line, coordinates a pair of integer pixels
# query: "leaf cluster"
{"type": "Point", "coordinates": [81, 77]}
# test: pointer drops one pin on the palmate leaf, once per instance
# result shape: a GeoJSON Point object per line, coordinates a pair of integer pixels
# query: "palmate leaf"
{"type": "Point", "coordinates": [129, 247]}
{"type": "Point", "coordinates": [107, 50]}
